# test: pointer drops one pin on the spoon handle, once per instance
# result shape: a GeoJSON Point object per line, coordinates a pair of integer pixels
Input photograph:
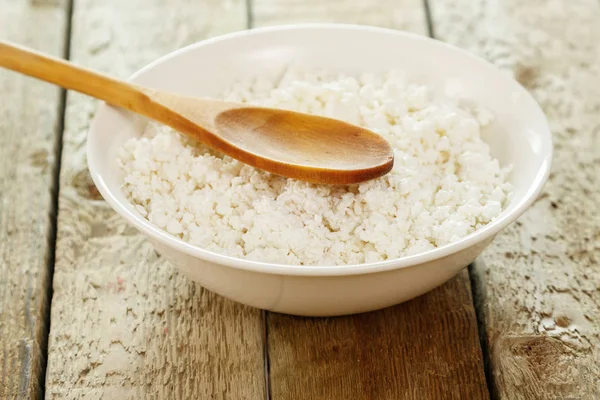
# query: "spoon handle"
{"type": "Point", "coordinates": [70, 76]}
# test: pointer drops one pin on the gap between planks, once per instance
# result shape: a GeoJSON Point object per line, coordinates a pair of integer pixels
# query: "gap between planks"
{"type": "Point", "coordinates": [28, 249]}
{"type": "Point", "coordinates": [429, 19]}
{"type": "Point", "coordinates": [62, 106]}
{"type": "Point", "coordinates": [265, 343]}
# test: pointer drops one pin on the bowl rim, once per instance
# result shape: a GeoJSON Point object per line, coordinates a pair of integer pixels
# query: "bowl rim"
{"type": "Point", "coordinates": [480, 235]}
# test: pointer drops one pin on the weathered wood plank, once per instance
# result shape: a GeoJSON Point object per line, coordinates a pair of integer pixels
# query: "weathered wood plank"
{"type": "Point", "coordinates": [425, 349]}
{"type": "Point", "coordinates": [124, 323]}
{"type": "Point", "coordinates": [400, 14]}
{"type": "Point", "coordinates": [30, 115]}
{"type": "Point", "coordinates": [538, 283]}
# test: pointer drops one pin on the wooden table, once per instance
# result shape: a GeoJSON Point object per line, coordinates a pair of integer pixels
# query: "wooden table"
{"type": "Point", "coordinates": [89, 310]}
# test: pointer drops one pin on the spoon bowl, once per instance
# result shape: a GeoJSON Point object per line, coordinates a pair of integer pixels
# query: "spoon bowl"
{"type": "Point", "coordinates": [317, 146]}
{"type": "Point", "coordinates": [298, 145]}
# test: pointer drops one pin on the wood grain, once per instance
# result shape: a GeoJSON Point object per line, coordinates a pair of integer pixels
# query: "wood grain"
{"type": "Point", "coordinates": [424, 349]}
{"type": "Point", "coordinates": [538, 283]}
{"type": "Point", "coordinates": [427, 348]}
{"type": "Point", "coordinates": [124, 323]}
{"type": "Point", "coordinates": [30, 115]}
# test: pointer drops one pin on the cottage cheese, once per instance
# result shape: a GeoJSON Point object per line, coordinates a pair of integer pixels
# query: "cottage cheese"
{"type": "Point", "coordinates": [444, 185]}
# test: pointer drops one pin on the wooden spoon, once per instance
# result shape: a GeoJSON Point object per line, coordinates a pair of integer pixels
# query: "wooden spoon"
{"type": "Point", "coordinates": [287, 143]}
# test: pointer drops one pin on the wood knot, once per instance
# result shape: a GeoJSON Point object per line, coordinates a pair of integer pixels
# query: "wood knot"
{"type": "Point", "coordinates": [533, 347]}
{"type": "Point", "coordinates": [526, 76]}
{"type": "Point", "coordinates": [542, 358]}
{"type": "Point", "coordinates": [563, 321]}
{"type": "Point", "coordinates": [84, 185]}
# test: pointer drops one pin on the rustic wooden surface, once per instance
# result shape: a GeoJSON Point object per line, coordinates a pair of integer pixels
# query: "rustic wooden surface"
{"type": "Point", "coordinates": [425, 349]}
{"type": "Point", "coordinates": [538, 284]}
{"type": "Point", "coordinates": [30, 117]}
{"type": "Point", "coordinates": [124, 324]}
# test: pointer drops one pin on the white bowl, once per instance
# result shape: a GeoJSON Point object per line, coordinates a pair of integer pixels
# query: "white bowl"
{"type": "Point", "coordinates": [519, 136]}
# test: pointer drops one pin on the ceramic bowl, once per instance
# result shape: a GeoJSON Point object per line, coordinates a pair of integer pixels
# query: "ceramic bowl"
{"type": "Point", "coordinates": [519, 135]}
